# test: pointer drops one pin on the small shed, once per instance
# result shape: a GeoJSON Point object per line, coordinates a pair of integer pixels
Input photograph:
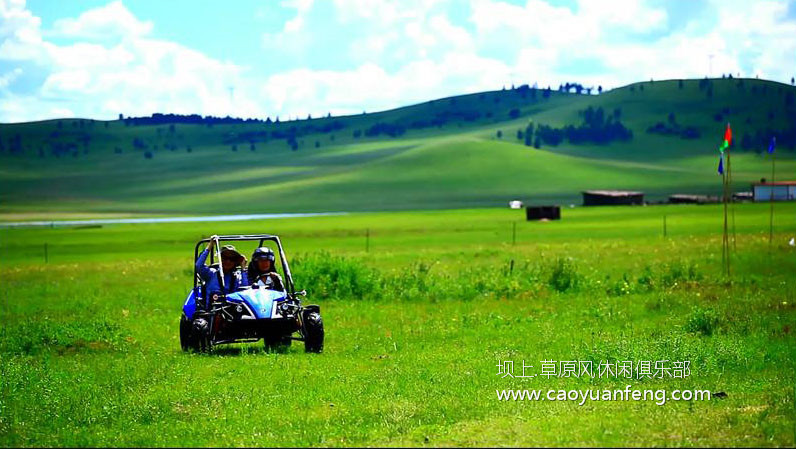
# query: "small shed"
{"type": "Point", "coordinates": [515, 204]}
{"type": "Point", "coordinates": [542, 213]}
{"type": "Point", "coordinates": [612, 198]}
{"type": "Point", "coordinates": [683, 198]}
{"type": "Point", "coordinates": [778, 191]}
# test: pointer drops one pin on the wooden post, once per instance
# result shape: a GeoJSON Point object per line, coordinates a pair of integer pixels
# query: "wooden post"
{"type": "Point", "coordinates": [513, 234]}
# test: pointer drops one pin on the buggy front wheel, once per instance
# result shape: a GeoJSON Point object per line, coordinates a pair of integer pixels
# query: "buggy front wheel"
{"type": "Point", "coordinates": [313, 332]}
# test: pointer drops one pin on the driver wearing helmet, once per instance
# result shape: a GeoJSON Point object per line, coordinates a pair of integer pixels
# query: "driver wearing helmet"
{"type": "Point", "coordinates": [232, 263]}
{"type": "Point", "coordinates": [262, 270]}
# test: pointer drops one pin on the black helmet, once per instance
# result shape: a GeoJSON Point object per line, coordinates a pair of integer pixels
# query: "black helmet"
{"type": "Point", "coordinates": [263, 252]}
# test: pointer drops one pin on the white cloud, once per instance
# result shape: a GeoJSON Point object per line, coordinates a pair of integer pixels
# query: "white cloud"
{"type": "Point", "coordinates": [136, 75]}
{"type": "Point", "coordinates": [399, 52]}
{"type": "Point", "coordinates": [111, 20]}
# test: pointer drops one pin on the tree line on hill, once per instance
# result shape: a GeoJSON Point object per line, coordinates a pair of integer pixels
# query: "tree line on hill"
{"type": "Point", "coordinates": [596, 127]}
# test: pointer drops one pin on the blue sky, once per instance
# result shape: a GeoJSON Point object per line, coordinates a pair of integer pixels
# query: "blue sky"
{"type": "Point", "coordinates": [298, 57]}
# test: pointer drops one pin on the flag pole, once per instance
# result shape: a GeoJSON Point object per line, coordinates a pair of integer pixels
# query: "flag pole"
{"type": "Point", "coordinates": [724, 255]}
{"type": "Point", "coordinates": [732, 203]}
{"type": "Point", "coordinates": [771, 200]}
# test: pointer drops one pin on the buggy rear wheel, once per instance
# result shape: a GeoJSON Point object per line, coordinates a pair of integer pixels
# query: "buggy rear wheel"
{"type": "Point", "coordinates": [313, 331]}
{"type": "Point", "coordinates": [186, 336]}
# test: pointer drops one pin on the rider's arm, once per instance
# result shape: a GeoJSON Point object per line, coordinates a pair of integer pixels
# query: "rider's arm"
{"type": "Point", "coordinates": [201, 268]}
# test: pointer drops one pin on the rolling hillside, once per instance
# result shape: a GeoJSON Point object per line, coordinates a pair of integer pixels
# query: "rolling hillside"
{"type": "Point", "coordinates": [456, 152]}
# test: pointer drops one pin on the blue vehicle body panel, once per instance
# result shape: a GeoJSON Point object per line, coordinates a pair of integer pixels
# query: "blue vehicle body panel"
{"type": "Point", "coordinates": [259, 300]}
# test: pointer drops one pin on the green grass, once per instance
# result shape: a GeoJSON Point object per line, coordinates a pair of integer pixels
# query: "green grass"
{"type": "Point", "coordinates": [459, 165]}
{"type": "Point", "coordinates": [416, 325]}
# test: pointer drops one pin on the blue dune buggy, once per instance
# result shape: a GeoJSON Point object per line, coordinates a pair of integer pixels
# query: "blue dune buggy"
{"type": "Point", "coordinates": [251, 313]}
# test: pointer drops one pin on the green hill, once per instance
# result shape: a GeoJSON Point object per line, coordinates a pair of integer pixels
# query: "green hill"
{"type": "Point", "coordinates": [440, 154]}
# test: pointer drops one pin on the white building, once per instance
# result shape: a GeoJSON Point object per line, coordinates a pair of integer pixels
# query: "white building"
{"type": "Point", "coordinates": [515, 204]}
{"type": "Point", "coordinates": [778, 191]}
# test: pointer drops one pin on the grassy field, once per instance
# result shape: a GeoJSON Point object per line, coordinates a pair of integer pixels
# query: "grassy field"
{"type": "Point", "coordinates": [459, 164]}
{"type": "Point", "coordinates": [416, 323]}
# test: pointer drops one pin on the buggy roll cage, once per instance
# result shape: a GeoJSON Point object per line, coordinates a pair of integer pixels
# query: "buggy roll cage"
{"type": "Point", "coordinates": [261, 238]}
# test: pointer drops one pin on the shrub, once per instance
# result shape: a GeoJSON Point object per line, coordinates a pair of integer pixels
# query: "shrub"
{"type": "Point", "coordinates": [564, 276]}
{"type": "Point", "coordinates": [702, 321]}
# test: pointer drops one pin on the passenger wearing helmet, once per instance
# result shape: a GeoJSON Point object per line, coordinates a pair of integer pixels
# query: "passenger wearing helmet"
{"type": "Point", "coordinates": [232, 263]}
{"type": "Point", "coordinates": [262, 270]}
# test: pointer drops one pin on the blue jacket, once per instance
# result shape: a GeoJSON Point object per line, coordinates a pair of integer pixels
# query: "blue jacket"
{"type": "Point", "coordinates": [237, 278]}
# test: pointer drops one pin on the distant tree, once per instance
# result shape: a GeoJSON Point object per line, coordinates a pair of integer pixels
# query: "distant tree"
{"type": "Point", "coordinates": [106, 124]}
{"type": "Point", "coordinates": [234, 148]}
{"type": "Point", "coordinates": [117, 150]}
{"type": "Point", "coordinates": [679, 84]}
{"type": "Point", "coordinates": [139, 143]}
{"type": "Point", "coordinates": [252, 147]}
{"type": "Point", "coordinates": [792, 80]}
{"type": "Point", "coordinates": [519, 134]}
{"type": "Point", "coordinates": [514, 113]}
{"type": "Point", "coordinates": [329, 115]}
{"type": "Point", "coordinates": [710, 92]}
{"type": "Point", "coordinates": [641, 87]}
{"type": "Point", "coordinates": [617, 113]}
{"type": "Point", "coordinates": [599, 89]}
{"type": "Point", "coordinates": [499, 134]}
{"type": "Point", "coordinates": [537, 143]}
{"type": "Point", "coordinates": [672, 119]}
{"type": "Point", "coordinates": [309, 116]}
{"type": "Point", "coordinates": [528, 134]}
{"type": "Point", "coordinates": [317, 144]}
{"type": "Point", "coordinates": [357, 133]}
{"type": "Point", "coordinates": [121, 117]}
{"type": "Point", "coordinates": [268, 120]}
{"type": "Point", "coordinates": [148, 155]}
{"type": "Point", "coordinates": [188, 149]}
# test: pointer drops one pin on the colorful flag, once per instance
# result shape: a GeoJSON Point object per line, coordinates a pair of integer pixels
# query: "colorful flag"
{"type": "Point", "coordinates": [721, 164]}
{"type": "Point", "coordinates": [727, 136]}
{"type": "Point", "coordinates": [772, 145]}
